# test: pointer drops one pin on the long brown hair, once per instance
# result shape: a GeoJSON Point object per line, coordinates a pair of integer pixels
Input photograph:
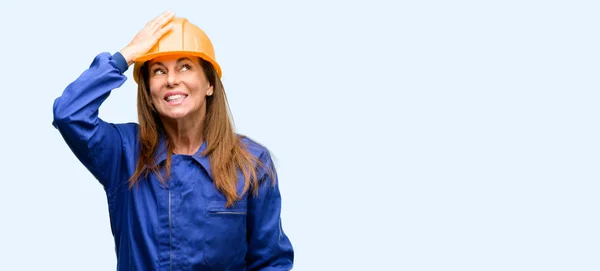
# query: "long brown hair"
{"type": "Point", "coordinates": [226, 151]}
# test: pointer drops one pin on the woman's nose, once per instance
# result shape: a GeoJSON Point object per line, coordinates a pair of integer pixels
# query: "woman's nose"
{"type": "Point", "coordinates": [172, 78]}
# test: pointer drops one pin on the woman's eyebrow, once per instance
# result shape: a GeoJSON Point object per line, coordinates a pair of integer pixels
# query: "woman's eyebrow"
{"type": "Point", "coordinates": [178, 61]}
{"type": "Point", "coordinates": [157, 63]}
{"type": "Point", "coordinates": [182, 59]}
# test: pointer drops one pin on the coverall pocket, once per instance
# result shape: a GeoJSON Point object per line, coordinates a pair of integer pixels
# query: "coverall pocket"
{"type": "Point", "coordinates": [225, 235]}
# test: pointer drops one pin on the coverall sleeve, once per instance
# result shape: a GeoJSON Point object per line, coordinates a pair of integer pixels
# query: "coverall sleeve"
{"type": "Point", "coordinates": [96, 143]}
{"type": "Point", "coordinates": [269, 248]}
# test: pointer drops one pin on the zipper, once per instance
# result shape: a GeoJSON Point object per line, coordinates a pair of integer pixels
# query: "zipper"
{"type": "Point", "coordinates": [170, 235]}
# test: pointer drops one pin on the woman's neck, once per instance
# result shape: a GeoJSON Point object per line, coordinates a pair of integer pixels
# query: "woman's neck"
{"type": "Point", "coordinates": [184, 135]}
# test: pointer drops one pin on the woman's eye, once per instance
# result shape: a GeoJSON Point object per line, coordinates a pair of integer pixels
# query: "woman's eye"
{"type": "Point", "coordinates": [185, 67]}
{"type": "Point", "coordinates": [157, 72]}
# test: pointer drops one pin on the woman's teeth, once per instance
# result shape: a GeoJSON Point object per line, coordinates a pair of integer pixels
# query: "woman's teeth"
{"type": "Point", "coordinates": [175, 97]}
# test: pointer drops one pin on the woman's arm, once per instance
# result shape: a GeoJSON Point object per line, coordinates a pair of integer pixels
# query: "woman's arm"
{"type": "Point", "coordinates": [96, 143]}
{"type": "Point", "coordinates": [269, 248]}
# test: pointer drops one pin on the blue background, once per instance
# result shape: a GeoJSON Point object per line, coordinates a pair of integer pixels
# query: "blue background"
{"type": "Point", "coordinates": [408, 135]}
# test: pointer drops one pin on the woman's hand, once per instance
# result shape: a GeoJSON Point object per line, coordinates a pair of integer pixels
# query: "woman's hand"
{"type": "Point", "coordinates": [147, 37]}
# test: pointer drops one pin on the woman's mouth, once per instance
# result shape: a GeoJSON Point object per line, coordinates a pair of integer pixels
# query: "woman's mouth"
{"type": "Point", "coordinates": [175, 99]}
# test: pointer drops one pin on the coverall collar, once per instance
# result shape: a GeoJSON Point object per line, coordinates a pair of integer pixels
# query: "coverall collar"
{"type": "Point", "coordinates": [161, 154]}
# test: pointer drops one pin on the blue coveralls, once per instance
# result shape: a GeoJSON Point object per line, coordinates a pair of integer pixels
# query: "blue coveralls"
{"type": "Point", "coordinates": [182, 226]}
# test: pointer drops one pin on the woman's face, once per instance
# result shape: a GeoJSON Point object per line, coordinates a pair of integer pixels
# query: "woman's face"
{"type": "Point", "coordinates": [178, 87]}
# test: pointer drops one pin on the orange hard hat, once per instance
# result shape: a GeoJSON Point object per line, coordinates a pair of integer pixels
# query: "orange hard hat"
{"type": "Point", "coordinates": [185, 38]}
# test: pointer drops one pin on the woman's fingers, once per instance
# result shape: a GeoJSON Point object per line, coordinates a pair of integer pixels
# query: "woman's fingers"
{"type": "Point", "coordinates": [152, 22]}
{"type": "Point", "coordinates": [163, 31]}
{"type": "Point", "coordinates": [161, 20]}
{"type": "Point", "coordinates": [148, 36]}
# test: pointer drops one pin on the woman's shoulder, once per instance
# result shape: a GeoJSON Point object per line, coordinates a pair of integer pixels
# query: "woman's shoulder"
{"type": "Point", "coordinates": [254, 147]}
{"type": "Point", "coordinates": [128, 131]}
{"type": "Point", "coordinates": [128, 128]}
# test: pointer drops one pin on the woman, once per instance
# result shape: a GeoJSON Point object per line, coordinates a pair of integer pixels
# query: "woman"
{"type": "Point", "coordinates": [185, 192]}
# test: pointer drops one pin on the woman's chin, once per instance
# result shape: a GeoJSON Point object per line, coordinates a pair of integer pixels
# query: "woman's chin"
{"type": "Point", "coordinates": [175, 114]}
